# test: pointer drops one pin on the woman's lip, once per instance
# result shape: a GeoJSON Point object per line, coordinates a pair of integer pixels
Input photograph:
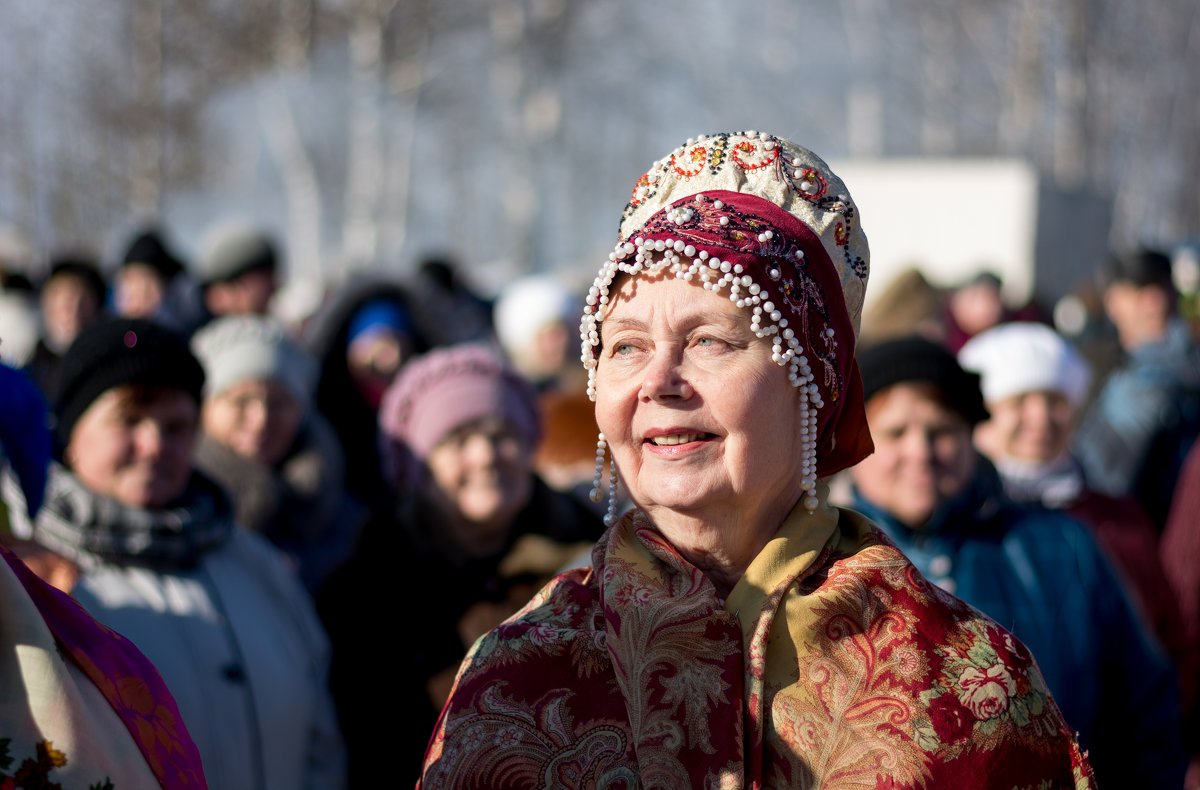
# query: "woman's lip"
{"type": "Point", "coordinates": [654, 433]}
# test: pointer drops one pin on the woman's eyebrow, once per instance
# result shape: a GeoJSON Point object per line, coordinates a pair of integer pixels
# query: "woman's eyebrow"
{"type": "Point", "coordinates": [687, 318]}
{"type": "Point", "coordinates": [624, 323]}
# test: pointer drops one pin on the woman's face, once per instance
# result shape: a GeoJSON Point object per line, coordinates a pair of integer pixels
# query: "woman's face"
{"type": "Point", "coordinates": [373, 360]}
{"type": "Point", "coordinates": [698, 417]}
{"type": "Point", "coordinates": [135, 448]}
{"type": "Point", "coordinates": [249, 293]}
{"type": "Point", "coordinates": [256, 418]}
{"type": "Point", "coordinates": [1031, 426]}
{"type": "Point", "coordinates": [140, 291]}
{"type": "Point", "coordinates": [482, 473]}
{"type": "Point", "coordinates": [68, 307]}
{"type": "Point", "coordinates": [923, 453]}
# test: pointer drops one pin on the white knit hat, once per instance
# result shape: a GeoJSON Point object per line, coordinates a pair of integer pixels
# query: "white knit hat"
{"type": "Point", "coordinates": [238, 348]}
{"type": "Point", "coordinates": [1018, 357]}
{"type": "Point", "coordinates": [18, 328]}
{"type": "Point", "coordinates": [526, 305]}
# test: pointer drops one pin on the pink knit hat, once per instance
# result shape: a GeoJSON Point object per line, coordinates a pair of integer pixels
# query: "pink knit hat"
{"type": "Point", "coordinates": [445, 389]}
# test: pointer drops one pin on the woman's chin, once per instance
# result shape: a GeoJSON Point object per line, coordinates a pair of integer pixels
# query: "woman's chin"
{"type": "Point", "coordinates": [682, 495]}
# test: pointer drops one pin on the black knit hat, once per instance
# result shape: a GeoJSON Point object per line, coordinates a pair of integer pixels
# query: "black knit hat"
{"type": "Point", "coordinates": [1142, 266]}
{"type": "Point", "coordinates": [918, 359]}
{"type": "Point", "coordinates": [84, 269]}
{"type": "Point", "coordinates": [148, 249]}
{"type": "Point", "coordinates": [121, 351]}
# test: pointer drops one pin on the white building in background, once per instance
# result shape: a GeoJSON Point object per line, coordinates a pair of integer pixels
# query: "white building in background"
{"type": "Point", "coordinates": [952, 218]}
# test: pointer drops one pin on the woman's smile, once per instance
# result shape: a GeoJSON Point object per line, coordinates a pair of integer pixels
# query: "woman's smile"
{"type": "Point", "coordinates": [674, 441]}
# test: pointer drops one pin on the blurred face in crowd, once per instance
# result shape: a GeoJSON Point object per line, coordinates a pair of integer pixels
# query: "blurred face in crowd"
{"type": "Point", "coordinates": [257, 419]}
{"type": "Point", "coordinates": [923, 453]}
{"type": "Point", "coordinates": [68, 307]}
{"type": "Point", "coordinates": [1031, 426]}
{"type": "Point", "coordinates": [373, 359]}
{"type": "Point", "coordinates": [481, 474]}
{"type": "Point", "coordinates": [135, 445]}
{"type": "Point", "coordinates": [1139, 313]}
{"type": "Point", "coordinates": [701, 422]}
{"type": "Point", "coordinates": [977, 307]}
{"type": "Point", "coordinates": [549, 352]}
{"type": "Point", "coordinates": [248, 294]}
{"type": "Point", "coordinates": [140, 291]}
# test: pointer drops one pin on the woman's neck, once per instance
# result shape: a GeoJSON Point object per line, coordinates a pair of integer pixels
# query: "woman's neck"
{"type": "Point", "coordinates": [721, 544]}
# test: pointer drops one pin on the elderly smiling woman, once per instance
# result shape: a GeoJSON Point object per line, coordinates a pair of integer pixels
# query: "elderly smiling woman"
{"type": "Point", "coordinates": [735, 630]}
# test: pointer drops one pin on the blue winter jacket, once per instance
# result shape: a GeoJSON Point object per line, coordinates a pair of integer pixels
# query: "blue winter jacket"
{"type": "Point", "coordinates": [1041, 574]}
{"type": "Point", "coordinates": [1134, 438]}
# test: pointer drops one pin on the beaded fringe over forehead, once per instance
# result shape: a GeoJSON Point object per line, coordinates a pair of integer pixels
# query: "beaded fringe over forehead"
{"type": "Point", "coordinates": [767, 222]}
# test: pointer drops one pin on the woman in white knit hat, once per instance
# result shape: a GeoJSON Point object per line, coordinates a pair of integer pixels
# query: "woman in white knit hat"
{"type": "Point", "coordinates": [535, 320]}
{"type": "Point", "coordinates": [262, 440]}
{"type": "Point", "coordinates": [1033, 382]}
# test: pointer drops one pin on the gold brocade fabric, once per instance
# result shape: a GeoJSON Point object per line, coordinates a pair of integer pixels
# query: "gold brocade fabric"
{"type": "Point", "coordinates": [833, 663]}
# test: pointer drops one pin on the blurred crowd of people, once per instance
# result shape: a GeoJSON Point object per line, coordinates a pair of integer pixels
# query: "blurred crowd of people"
{"type": "Point", "coordinates": [305, 525]}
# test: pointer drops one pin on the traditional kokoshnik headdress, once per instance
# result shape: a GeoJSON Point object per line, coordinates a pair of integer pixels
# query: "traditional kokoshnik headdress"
{"type": "Point", "coordinates": [767, 222]}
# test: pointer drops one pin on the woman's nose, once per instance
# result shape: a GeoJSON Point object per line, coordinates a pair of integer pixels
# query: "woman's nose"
{"type": "Point", "coordinates": [480, 448]}
{"type": "Point", "coordinates": [663, 377]}
{"type": "Point", "coordinates": [256, 415]}
{"type": "Point", "coordinates": [149, 438]}
{"type": "Point", "coordinates": [918, 445]}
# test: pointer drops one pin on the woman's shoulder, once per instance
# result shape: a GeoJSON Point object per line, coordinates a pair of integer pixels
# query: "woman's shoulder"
{"type": "Point", "coordinates": [253, 554]}
{"type": "Point", "coordinates": [1051, 537]}
{"type": "Point", "coordinates": [866, 559]}
{"type": "Point", "coordinates": [559, 515]}
{"type": "Point", "coordinates": [862, 543]}
{"type": "Point", "coordinates": [563, 611]}
{"type": "Point", "coordinates": [251, 563]}
{"type": "Point", "coordinates": [317, 459]}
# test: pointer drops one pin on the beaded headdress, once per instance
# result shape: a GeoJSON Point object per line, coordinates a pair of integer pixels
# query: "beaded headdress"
{"type": "Point", "coordinates": [768, 223]}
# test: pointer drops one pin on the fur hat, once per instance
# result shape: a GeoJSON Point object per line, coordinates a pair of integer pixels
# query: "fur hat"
{"type": "Point", "coordinates": [237, 348]}
{"type": "Point", "coordinates": [1020, 356]}
{"type": "Point", "coordinates": [117, 352]}
{"type": "Point", "coordinates": [233, 248]}
{"type": "Point", "coordinates": [918, 359]}
{"type": "Point", "coordinates": [442, 390]}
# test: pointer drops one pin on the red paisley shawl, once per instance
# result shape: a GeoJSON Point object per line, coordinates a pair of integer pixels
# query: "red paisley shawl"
{"type": "Point", "coordinates": [833, 664]}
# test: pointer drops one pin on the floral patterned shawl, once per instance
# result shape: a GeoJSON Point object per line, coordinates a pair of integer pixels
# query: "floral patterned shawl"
{"type": "Point", "coordinates": [832, 664]}
{"type": "Point", "coordinates": [69, 684]}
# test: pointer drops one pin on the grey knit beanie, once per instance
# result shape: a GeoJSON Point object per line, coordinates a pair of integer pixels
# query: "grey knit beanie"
{"type": "Point", "coordinates": [233, 248]}
{"type": "Point", "coordinates": [238, 348]}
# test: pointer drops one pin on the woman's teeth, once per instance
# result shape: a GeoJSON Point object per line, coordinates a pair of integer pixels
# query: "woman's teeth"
{"type": "Point", "coordinates": [678, 438]}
